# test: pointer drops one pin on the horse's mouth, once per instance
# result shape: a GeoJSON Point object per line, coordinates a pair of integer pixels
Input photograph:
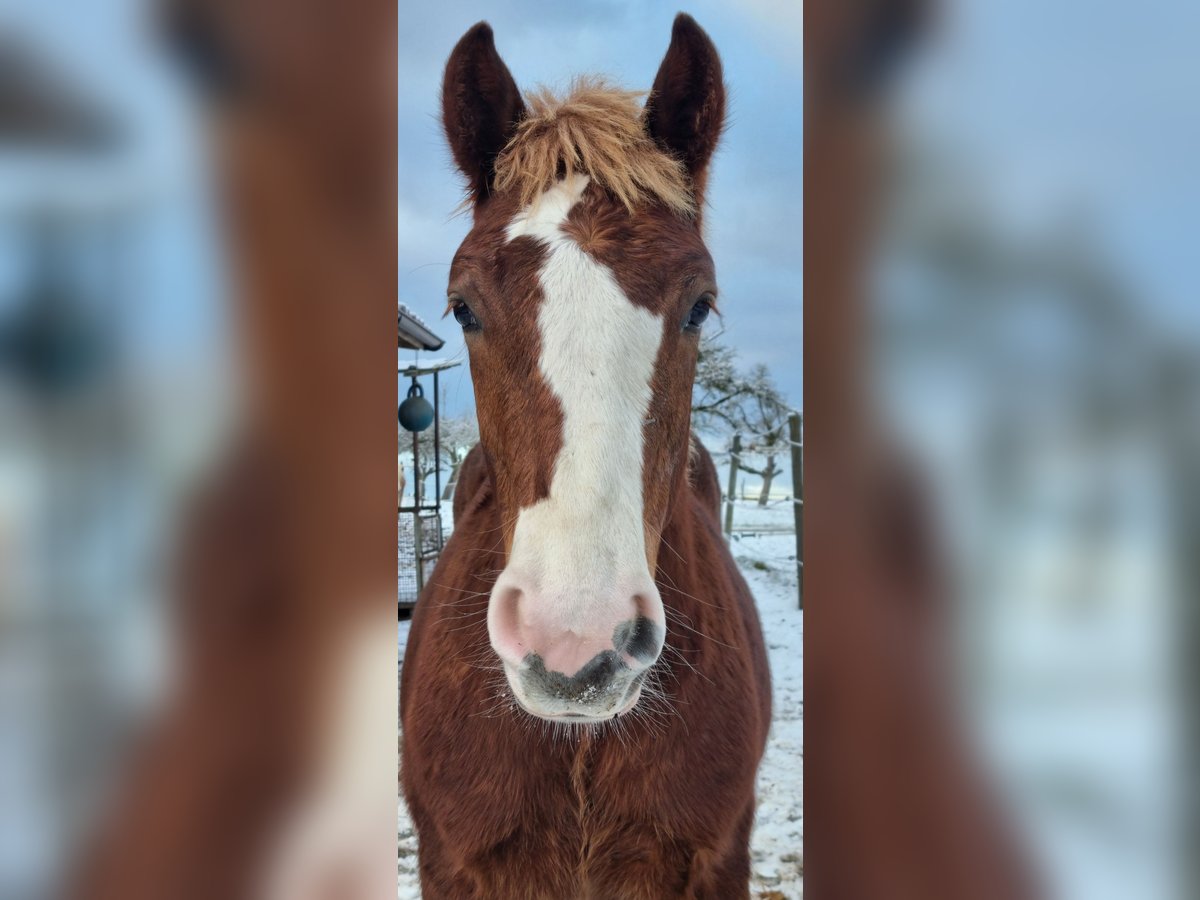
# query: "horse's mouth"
{"type": "Point", "coordinates": [571, 717]}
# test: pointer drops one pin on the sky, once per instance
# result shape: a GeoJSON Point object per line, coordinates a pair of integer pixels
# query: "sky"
{"type": "Point", "coordinates": [1079, 109]}
{"type": "Point", "coordinates": [167, 272]}
{"type": "Point", "coordinates": [754, 215]}
{"type": "Point", "coordinates": [1068, 103]}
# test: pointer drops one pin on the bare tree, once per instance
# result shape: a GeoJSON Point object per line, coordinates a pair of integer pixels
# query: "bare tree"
{"type": "Point", "coordinates": [459, 435]}
{"type": "Point", "coordinates": [719, 388]}
{"type": "Point", "coordinates": [425, 465]}
{"type": "Point", "coordinates": [763, 416]}
{"type": "Point", "coordinates": [725, 399]}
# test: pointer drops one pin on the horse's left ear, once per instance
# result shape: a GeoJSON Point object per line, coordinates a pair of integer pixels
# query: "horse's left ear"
{"type": "Point", "coordinates": [685, 111]}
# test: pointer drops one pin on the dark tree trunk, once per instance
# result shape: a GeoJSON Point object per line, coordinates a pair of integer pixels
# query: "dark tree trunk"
{"type": "Point", "coordinates": [768, 476]}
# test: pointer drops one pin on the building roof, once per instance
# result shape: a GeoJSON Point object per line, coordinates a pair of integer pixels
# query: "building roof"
{"type": "Point", "coordinates": [38, 108]}
{"type": "Point", "coordinates": [413, 333]}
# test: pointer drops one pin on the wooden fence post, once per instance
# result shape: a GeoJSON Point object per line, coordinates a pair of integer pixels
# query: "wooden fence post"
{"type": "Point", "coordinates": [734, 461]}
{"type": "Point", "coordinates": [417, 536]}
{"type": "Point", "coordinates": [794, 432]}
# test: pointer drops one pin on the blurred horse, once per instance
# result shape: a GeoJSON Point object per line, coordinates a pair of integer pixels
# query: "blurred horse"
{"type": "Point", "coordinates": [271, 771]}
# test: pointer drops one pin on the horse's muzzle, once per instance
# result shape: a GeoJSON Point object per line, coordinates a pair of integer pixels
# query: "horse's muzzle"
{"type": "Point", "coordinates": [561, 668]}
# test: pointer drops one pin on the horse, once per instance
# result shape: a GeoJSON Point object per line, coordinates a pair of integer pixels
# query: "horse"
{"type": "Point", "coordinates": [881, 686]}
{"type": "Point", "coordinates": [269, 768]}
{"type": "Point", "coordinates": [585, 696]}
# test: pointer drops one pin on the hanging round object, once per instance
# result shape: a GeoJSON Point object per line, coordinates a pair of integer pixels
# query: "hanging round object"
{"type": "Point", "coordinates": [416, 413]}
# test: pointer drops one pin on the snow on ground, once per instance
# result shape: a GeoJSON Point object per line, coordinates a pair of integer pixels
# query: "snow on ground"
{"type": "Point", "coordinates": [768, 561]}
{"type": "Point", "coordinates": [407, 886]}
{"type": "Point", "coordinates": [777, 852]}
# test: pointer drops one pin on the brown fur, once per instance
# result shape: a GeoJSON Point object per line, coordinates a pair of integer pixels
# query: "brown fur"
{"type": "Point", "coordinates": [660, 803]}
{"type": "Point", "coordinates": [472, 476]}
{"type": "Point", "coordinates": [660, 262]}
{"type": "Point", "coordinates": [662, 808]}
{"type": "Point", "coordinates": [290, 544]}
{"type": "Point", "coordinates": [505, 372]}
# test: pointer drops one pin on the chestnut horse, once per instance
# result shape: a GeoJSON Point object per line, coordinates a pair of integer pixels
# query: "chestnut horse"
{"type": "Point", "coordinates": [585, 696]}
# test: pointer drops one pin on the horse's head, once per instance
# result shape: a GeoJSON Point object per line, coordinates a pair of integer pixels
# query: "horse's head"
{"type": "Point", "coordinates": [581, 289]}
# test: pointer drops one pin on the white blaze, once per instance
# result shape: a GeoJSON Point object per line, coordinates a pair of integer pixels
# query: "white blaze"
{"type": "Point", "coordinates": [583, 545]}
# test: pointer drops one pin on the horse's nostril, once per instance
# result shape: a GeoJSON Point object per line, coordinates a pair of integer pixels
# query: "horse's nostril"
{"type": "Point", "coordinates": [640, 638]}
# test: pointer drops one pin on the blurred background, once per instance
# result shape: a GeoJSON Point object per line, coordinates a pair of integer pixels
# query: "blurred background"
{"type": "Point", "coordinates": [1035, 339]}
{"type": "Point", "coordinates": [112, 368]}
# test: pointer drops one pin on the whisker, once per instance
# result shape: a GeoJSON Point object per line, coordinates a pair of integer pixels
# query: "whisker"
{"type": "Point", "coordinates": [679, 620]}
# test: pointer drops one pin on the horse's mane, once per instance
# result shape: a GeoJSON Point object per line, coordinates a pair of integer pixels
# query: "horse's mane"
{"type": "Point", "coordinates": [595, 130]}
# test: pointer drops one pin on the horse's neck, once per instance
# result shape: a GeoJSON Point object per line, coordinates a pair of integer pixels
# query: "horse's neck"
{"type": "Point", "coordinates": [689, 546]}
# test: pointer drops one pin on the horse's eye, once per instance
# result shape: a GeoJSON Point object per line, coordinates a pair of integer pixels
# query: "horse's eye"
{"type": "Point", "coordinates": [698, 313]}
{"type": "Point", "coordinates": [463, 315]}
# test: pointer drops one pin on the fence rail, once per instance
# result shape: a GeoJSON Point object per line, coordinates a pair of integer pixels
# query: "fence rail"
{"type": "Point", "coordinates": [795, 443]}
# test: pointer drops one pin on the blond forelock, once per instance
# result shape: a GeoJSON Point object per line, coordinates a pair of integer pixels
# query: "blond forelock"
{"type": "Point", "coordinates": [595, 130]}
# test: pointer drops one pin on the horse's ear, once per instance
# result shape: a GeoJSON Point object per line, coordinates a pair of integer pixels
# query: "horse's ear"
{"type": "Point", "coordinates": [481, 106]}
{"type": "Point", "coordinates": [685, 111]}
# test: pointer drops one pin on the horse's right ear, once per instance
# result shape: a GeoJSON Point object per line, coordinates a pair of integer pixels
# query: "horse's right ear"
{"type": "Point", "coordinates": [481, 107]}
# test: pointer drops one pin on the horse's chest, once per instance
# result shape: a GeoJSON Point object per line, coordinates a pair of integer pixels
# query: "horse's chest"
{"type": "Point", "coordinates": [569, 822]}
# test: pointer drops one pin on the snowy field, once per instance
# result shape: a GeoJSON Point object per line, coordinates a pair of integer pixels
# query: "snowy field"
{"type": "Point", "coordinates": [768, 562]}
